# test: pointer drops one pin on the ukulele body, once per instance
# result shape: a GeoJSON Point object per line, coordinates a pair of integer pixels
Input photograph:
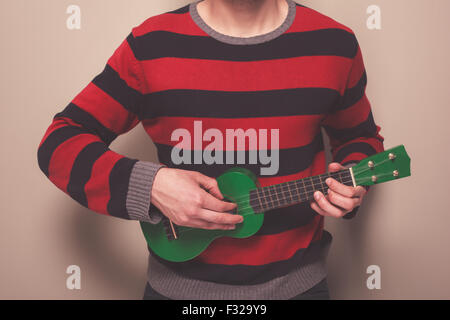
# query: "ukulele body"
{"type": "Point", "coordinates": [235, 185]}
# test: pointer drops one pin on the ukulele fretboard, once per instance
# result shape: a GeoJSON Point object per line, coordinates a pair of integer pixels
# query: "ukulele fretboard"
{"type": "Point", "coordinates": [294, 192]}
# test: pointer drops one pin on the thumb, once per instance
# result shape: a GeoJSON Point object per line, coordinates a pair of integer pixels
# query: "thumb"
{"type": "Point", "coordinates": [210, 185]}
{"type": "Point", "coordinates": [335, 166]}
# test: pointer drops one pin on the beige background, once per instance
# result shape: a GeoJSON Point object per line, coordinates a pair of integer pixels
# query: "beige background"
{"type": "Point", "coordinates": [402, 226]}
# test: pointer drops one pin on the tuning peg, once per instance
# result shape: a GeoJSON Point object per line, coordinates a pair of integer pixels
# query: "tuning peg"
{"type": "Point", "coordinates": [374, 178]}
{"type": "Point", "coordinates": [395, 173]}
{"type": "Point", "coordinates": [391, 156]}
{"type": "Point", "coordinates": [371, 164]}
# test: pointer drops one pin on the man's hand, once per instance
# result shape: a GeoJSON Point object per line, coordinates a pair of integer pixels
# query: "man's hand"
{"type": "Point", "coordinates": [191, 199]}
{"type": "Point", "coordinates": [340, 200]}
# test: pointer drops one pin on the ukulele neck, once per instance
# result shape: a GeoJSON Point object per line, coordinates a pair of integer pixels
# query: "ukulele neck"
{"type": "Point", "coordinates": [295, 192]}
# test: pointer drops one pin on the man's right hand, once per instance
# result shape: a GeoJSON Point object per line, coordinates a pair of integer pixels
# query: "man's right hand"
{"type": "Point", "coordinates": [191, 199]}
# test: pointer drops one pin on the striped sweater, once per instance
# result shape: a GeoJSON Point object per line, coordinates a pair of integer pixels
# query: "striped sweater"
{"type": "Point", "coordinates": [173, 69]}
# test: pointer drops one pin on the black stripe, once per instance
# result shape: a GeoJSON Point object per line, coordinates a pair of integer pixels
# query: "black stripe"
{"type": "Point", "coordinates": [53, 141]}
{"type": "Point", "coordinates": [111, 83]}
{"type": "Point", "coordinates": [181, 10]}
{"type": "Point", "coordinates": [353, 95]}
{"type": "Point", "coordinates": [226, 104]}
{"type": "Point", "coordinates": [367, 128]}
{"type": "Point", "coordinates": [360, 147]}
{"type": "Point", "coordinates": [291, 161]}
{"type": "Point", "coordinates": [132, 43]}
{"type": "Point", "coordinates": [331, 42]}
{"type": "Point", "coordinates": [288, 218]}
{"type": "Point", "coordinates": [72, 111]}
{"type": "Point", "coordinates": [246, 274]}
{"type": "Point", "coordinates": [118, 185]}
{"type": "Point", "coordinates": [82, 170]}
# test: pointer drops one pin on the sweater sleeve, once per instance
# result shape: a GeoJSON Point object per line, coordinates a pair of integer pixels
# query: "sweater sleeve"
{"type": "Point", "coordinates": [350, 126]}
{"type": "Point", "coordinates": [74, 152]}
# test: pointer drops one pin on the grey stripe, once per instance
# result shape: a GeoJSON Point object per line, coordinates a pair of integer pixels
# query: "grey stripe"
{"type": "Point", "coordinates": [139, 192]}
{"type": "Point", "coordinates": [305, 276]}
{"type": "Point", "coordinates": [241, 40]}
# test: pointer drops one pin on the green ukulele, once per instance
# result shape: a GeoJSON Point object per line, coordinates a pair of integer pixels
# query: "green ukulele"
{"type": "Point", "coordinates": [177, 243]}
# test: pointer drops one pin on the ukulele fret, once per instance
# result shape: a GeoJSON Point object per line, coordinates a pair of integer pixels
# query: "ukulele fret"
{"type": "Point", "coordinates": [274, 196]}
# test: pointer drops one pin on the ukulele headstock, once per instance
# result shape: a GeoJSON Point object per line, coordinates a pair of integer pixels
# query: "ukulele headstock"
{"type": "Point", "coordinates": [385, 166]}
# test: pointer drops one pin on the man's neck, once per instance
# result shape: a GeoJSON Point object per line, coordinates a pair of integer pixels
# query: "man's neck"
{"type": "Point", "coordinates": [243, 18]}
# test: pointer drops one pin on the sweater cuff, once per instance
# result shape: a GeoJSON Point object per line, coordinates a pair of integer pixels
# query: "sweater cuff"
{"type": "Point", "coordinates": [138, 200]}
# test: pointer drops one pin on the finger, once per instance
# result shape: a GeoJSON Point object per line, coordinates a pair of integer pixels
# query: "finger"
{"type": "Point", "coordinates": [360, 192]}
{"type": "Point", "coordinates": [335, 166]}
{"type": "Point", "coordinates": [202, 224]}
{"type": "Point", "coordinates": [210, 185]}
{"type": "Point", "coordinates": [325, 205]}
{"type": "Point", "coordinates": [219, 217]}
{"type": "Point", "coordinates": [344, 202]}
{"type": "Point", "coordinates": [340, 188]}
{"type": "Point", "coordinates": [320, 211]}
{"type": "Point", "coordinates": [212, 203]}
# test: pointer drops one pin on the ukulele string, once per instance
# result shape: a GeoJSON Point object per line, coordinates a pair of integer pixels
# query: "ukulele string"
{"type": "Point", "coordinates": [244, 200]}
{"type": "Point", "coordinates": [245, 197]}
{"type": "Point", "coordinates": [252, 213]}
{"type": "Point", "coordinates": [356, 172]}
{"type": "Point", "coordinates": [277, 199]}
{"type": "Point", "coordinates": [244, 208]}
{"type": "Point", "coordinates": [297, 183]}
{"type": "Point", "coordinates": [361, 180]}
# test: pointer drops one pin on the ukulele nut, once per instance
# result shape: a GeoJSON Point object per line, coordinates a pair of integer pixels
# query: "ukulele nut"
{"type": "Point", "coordinates": [391, 156]}
{"type": "Point", "coordinates": [371, 164]}
{"type": "Point", "coordinates": [395, 173]}
{"type": "Point", "coordinates": [374, 178]}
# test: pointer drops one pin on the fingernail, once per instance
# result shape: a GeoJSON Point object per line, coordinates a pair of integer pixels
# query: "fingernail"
{"type": "Point", "coordinates": [317, 195]}
{"type": "Point", "coordinates": [328, 181]}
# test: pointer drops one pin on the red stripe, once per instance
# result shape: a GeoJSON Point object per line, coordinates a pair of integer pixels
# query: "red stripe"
{"type": "Point", "coordinates": [355, 156]}
{"type": "Point", "coordinates": [312, 71]}
{"type": "Point", "coordinates": [349, 117]}
{"type": "Point", "coordinates": [123, 62]}
{"type": "Point", "coordinates": [97, 188]}
{"type": "Point", "coordinates": [55, 125]}
{"type": "Point", "coordinates": [317, 167]}
{"type": "Point", "coordinates": [260, 250]}
{"type": "Point", "coordinates": [294, 131]}
{"type": "Point", "coordinates": [110, 113]}
{"type": "Point", "coordinates": [373, 142]}
{"type": "Point", "coordinates": [357, 70]}
{"type": "Point", "coordinates": [171, 22]}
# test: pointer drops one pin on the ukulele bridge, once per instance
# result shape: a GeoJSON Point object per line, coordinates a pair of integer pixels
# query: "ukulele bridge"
{"type": "Point", "coordinates": [171, 229]}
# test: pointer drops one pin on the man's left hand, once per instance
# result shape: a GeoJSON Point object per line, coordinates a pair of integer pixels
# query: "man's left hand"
{"type": "Point", "coordinates": [340, 199]}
